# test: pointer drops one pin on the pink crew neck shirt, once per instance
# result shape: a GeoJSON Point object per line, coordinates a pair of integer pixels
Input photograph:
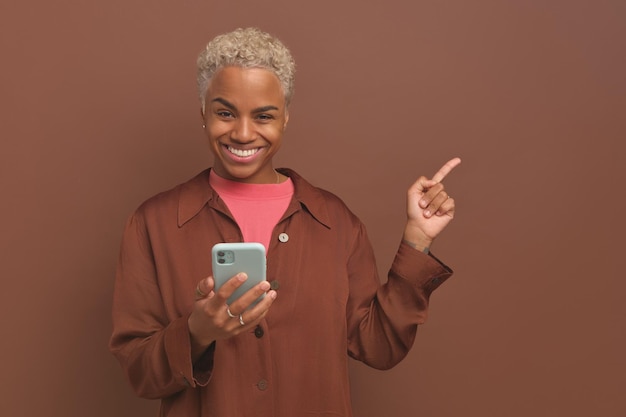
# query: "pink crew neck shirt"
{"type": "Point", "coordinates": [257, 208]}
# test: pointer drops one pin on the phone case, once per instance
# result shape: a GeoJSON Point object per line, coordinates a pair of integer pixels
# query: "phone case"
{"type": "Point", "coordinates": [229, 259]}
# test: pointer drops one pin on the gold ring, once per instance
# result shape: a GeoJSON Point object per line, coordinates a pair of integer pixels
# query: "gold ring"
{"type": "Point", "coordinates": [200, 294]}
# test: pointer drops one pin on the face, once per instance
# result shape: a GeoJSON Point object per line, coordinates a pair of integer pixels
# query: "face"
{"type": "Point", "coordinates": [245, 117]}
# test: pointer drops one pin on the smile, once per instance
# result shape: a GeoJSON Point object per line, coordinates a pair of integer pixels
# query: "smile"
{"type": "Point", "coordinates": [242, 153]}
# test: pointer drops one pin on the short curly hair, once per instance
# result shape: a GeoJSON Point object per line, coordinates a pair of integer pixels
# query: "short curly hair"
{"type": "Point", "coordinates": [246, 48]}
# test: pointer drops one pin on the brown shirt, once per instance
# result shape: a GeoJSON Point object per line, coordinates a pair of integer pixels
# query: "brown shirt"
{"type": "Point", "coordinates": [330, 304]}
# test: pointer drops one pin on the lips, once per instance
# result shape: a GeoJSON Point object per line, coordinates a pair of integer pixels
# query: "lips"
{"type": "Point", "coordinates": [242, 153]}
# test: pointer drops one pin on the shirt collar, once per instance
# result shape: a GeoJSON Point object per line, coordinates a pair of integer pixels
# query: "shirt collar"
{"type": "Point", "coordinates": [197, 193]}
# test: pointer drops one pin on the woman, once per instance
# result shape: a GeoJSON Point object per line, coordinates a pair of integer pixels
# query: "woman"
{"type": "Point", "coordinates": [174, 334]}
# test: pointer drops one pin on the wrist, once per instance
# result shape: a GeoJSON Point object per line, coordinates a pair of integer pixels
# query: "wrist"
{"type": "Point", "coordinates": [198, 347]}
{"type": "Point", "coordinates": [417, 239]}
{"type": "Point", "coordinates": [421, 248]}
{"type": "Point", "coordinates": [198, 339]}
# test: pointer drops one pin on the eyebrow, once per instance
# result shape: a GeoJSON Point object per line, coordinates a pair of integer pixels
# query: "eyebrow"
{"type": "Point", "coordinates": [232, 106]}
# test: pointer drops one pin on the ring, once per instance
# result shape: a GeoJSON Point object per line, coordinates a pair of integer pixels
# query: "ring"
{"type": "Point", "coordinates": [231, 315]}
{"type": "Point", "coordinates": [241, 320]}
{"type": "Point", "coordinates": [199, 293]}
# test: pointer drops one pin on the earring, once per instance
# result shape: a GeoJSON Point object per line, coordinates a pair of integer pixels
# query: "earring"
{"type": "Point", "coordinates": [204, 126]}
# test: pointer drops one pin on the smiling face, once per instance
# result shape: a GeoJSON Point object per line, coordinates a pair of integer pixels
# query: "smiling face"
{"type": "Point", "coordinates": [245, 117]}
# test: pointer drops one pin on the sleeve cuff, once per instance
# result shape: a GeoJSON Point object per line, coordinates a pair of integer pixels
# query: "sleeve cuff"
{"type": "Point", "coordinates": [178, 348]}
{"type": "Point", "coordinates": [423, 270]}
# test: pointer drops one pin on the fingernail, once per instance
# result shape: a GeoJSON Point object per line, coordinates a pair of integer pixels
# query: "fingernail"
{"type": "Point", "coordinates": [242, 276]}
{"type": "Point", "coordinates": [427, 213]}
{"type": "Point", "coordinates": [423, 203]}
{"type": "Point", "coordinates": [272, 295]}
{"type": "Point", "coordinates": [265, 285]}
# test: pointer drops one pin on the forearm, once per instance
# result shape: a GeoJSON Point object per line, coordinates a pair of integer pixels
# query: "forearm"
{"type": "Point", "coordinates": [157, 365]}
{"type": "Point", "coordinates": [385, 318]}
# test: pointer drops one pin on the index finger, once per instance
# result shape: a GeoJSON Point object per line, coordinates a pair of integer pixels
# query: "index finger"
{"type": "Point", "coordinates": [446, 169]}
{"type": "Point", "coordinates": [227, 288]}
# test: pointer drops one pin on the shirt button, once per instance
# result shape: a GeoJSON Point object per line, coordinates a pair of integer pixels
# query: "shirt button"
{"type": "Point", "coordinates": [283, 237]}
{"type": "Point", "coordinates": [258, 332]}
{"type": "Point", "coordinates": [274, 285]}
{"type": "Point", "coordinates": [262, 385]}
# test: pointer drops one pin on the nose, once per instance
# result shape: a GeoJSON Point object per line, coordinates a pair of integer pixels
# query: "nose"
{"type": "Point", "coordinates": [243, 131]}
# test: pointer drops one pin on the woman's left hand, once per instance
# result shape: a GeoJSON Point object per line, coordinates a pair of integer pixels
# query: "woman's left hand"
{"type": "Point", "coordinates": [429, 207]}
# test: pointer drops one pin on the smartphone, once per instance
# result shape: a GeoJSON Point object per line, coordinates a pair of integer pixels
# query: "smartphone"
{"type": "Point", "coordinates": [229, 259]}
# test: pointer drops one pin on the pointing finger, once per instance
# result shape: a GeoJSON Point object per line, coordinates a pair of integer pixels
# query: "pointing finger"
{"type": "Point", "coordinates": [446, 169]}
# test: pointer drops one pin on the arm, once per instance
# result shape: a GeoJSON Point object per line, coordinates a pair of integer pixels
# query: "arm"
{"type": "Point", "coordinates": [153, 348]}
{"type": "Point", "coordinates": [382, 321]}
{"type": "Point", "coordinates": [161, 352]}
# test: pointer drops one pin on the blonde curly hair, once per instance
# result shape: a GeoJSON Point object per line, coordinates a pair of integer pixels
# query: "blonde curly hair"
{"type": "Point", "coordinates": [246, 48]}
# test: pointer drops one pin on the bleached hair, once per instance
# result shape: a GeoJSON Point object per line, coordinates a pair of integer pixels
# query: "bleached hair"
{"type": "Point", "coordinates": [246, 48]}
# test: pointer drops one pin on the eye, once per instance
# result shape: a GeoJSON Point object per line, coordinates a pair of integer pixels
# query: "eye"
{"type": "Point", "coordinates": [265, 117]}
{"type": "Point", "coordinates": [224, 114]}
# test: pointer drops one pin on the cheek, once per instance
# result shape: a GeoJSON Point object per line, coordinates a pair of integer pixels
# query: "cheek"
{"type": "Point", "coordinates": [274, 133]}
{"type": "Point", "coordinates": [215, 130]}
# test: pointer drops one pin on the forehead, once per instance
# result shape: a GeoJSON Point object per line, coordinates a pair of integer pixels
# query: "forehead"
{"type": "Point", "coordinates": [245, 84]}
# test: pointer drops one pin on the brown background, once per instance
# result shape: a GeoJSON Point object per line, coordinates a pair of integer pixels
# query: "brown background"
{"type": "Point", "coordinates": [99, 112]}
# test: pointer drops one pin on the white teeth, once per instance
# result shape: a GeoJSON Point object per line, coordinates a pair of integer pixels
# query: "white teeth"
{"type": "Point", "coordinates": [242, 152]}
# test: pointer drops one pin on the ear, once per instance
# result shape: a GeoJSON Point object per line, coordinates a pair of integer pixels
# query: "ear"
{"type": "Point", "coordinates": [202, 117]}
{"type": "Point", "coordinates": [286, 119]}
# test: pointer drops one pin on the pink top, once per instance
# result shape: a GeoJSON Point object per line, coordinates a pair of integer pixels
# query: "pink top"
{"type": "Point", "coordinates": [257, 208]}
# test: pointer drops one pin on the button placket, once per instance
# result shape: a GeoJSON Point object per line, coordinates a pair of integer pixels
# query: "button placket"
{"type": "Point", "coordinates": [282, 238]}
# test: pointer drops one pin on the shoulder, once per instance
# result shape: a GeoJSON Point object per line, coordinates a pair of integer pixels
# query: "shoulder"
{"type": "Point", "coordinates": [169, 202]}
{"type": "Point", "coordinates": [326, 206]}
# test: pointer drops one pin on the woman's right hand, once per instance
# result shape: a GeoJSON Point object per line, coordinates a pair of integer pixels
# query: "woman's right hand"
{"type": "Point", "coordinates": [210, 320]}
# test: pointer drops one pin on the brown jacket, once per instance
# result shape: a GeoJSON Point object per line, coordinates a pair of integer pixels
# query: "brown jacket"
{"type": "Point", "coordinates": [330, 304]}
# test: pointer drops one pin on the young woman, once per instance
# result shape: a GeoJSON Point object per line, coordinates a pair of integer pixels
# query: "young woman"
{"type": "Point", "coordinates": [176, 337]}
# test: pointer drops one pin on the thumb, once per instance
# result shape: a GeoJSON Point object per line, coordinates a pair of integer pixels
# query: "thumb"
{"type": "Point", "coordinates": [421, 185]}
{"type": "Point", "coordinates": [204, 289]}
